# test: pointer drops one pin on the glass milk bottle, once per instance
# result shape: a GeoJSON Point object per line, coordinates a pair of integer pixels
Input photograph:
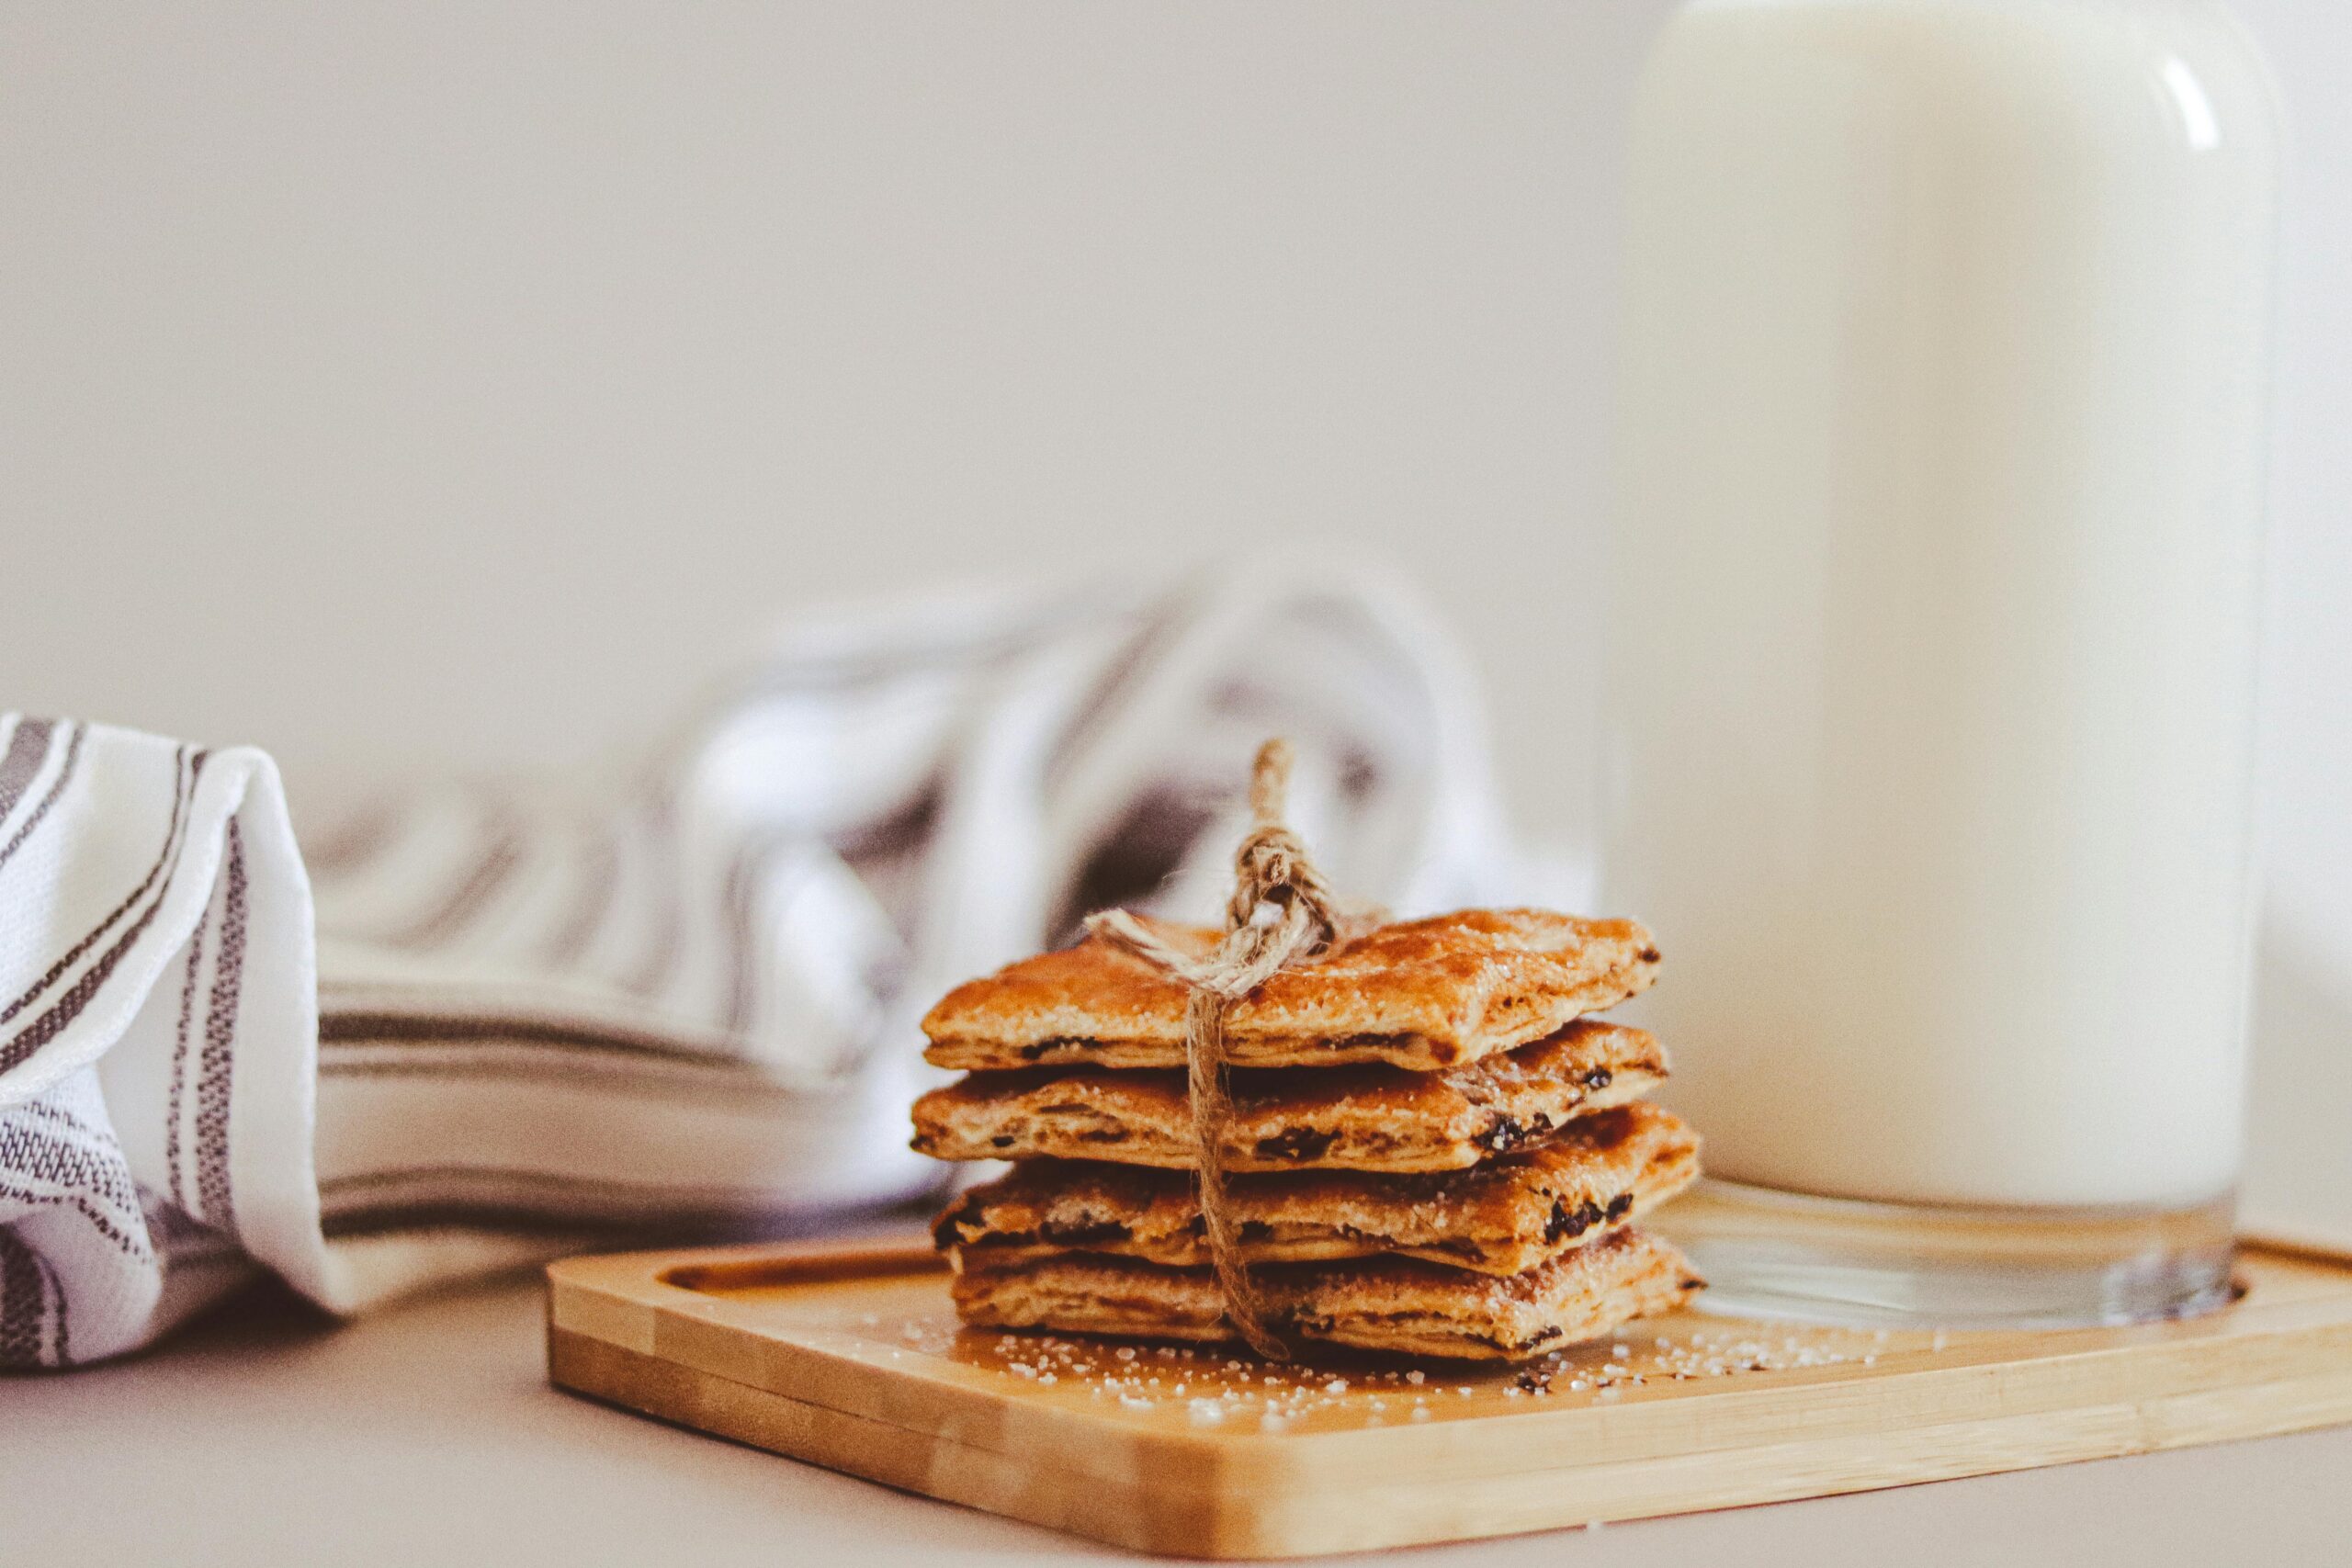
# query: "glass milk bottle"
{"type": "Point", "coordinates": [1932, 633]}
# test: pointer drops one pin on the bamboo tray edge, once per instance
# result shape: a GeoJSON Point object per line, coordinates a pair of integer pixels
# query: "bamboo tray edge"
{"type": "Point", "coordinates": [762, 1346]}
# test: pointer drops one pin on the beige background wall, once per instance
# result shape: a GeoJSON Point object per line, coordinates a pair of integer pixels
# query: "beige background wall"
{"type": "Point", "coordinates": [414, 386]}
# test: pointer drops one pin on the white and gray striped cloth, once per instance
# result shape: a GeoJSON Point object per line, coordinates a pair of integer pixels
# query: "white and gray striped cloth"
{"type": "Point", "coordinates": [480, 1026]}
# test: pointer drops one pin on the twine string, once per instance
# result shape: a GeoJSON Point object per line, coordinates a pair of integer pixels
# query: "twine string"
{"type": "Point", "coordinates": [1281, 913]}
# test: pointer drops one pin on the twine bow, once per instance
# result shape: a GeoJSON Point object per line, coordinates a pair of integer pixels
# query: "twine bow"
{"type": "Point", "coordinates": [1281, 913]}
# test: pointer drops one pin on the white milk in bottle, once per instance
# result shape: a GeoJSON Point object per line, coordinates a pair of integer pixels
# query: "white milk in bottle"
{"type": "Point", "coordinates": [1932, 616]}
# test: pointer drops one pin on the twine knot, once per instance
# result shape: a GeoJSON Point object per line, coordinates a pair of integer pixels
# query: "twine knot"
{"type": "Point", "coordinates": [1281, 913]}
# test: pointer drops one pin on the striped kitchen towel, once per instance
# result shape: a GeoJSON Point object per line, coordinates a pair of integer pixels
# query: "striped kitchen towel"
{"type": "Point", "coordinates": [477, 1026]}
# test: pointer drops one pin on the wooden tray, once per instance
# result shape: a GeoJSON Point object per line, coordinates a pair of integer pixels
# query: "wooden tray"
{"type": "Point", "coordinates": [849, 1356]}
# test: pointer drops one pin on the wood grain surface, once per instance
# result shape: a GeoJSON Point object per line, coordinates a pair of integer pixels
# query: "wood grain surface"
{"type": "Point", "coordinates": [849, 1356]}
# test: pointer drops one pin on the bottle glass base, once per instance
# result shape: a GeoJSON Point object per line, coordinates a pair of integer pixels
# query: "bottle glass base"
{"type": "Point", "coordinates": [1772, 1254]}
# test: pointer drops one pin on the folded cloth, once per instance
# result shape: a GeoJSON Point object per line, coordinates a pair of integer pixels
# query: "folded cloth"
{"type": "Point", "coordinates": [475, 1026]}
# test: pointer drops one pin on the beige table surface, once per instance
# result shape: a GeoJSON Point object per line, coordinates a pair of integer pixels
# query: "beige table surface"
{"type": "Point", "coordinates": [427, 1433]}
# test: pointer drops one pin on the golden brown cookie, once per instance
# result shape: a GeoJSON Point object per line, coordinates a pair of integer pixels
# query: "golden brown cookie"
{"type": "Point", "coordinates": [1399, 1304]}
{"type": "Point", "coordinates": [1425, 995]}
{"type": "Point", "coordinates": [1502, 1216]}
{"type": "Point", "coordinates": [1358, 1118]}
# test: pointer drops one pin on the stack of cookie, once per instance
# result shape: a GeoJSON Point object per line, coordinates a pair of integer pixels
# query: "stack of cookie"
{"type": "Point", "coordinates": [1435, 1149]}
